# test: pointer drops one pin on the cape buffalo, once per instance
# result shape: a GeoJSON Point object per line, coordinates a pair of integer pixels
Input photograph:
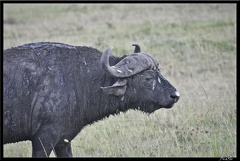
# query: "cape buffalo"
{"type": "Point", "coordinates": [52, 90]}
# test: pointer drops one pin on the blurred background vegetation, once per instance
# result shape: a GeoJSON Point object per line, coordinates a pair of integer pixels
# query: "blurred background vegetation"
{"type": "Point", "coordinates": [195, 45]}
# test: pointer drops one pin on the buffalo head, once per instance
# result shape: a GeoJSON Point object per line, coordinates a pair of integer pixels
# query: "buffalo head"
{"type": "Point", "coordinates": [139, 81]}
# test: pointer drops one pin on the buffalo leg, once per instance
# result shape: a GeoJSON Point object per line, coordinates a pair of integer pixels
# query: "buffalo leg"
{"type": "Point", "coordinates": [41, 148]}
{"type": "Point", "coordinates": [64, 150]}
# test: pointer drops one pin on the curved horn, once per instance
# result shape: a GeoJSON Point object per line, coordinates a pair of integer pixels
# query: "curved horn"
{"type": "Point", "coordinates": [105, 61]}
{"type": "Point", "coordinates": [128, 66]}
{"type": "Point", "coordinates": [137, 48]}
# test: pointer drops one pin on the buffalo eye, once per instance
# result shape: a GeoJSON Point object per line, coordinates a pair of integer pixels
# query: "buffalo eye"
{"type": "Point", "coordinates": [149, 81]}
{"type": "Point", "coordinates": [149, 78]}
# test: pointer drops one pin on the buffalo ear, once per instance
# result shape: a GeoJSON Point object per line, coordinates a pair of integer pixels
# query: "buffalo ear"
{"type": "Point", "coordinates": [117, 89]}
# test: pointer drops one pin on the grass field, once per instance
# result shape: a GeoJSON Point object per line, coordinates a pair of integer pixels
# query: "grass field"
{"type": "Point", "coordinates": [195, 45]}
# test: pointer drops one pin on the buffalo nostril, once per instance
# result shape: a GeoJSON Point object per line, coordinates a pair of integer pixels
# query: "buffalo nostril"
{"type": "Point", "coordinates": [175, 95]}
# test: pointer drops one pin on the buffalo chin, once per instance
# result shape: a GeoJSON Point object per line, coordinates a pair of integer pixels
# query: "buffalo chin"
{"type": "Point", "coordinates": [168, 106]}
{"type": "Point", "coordinates": [152, 108]}
{"type": "Point", "coordinates": [149, 108]}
